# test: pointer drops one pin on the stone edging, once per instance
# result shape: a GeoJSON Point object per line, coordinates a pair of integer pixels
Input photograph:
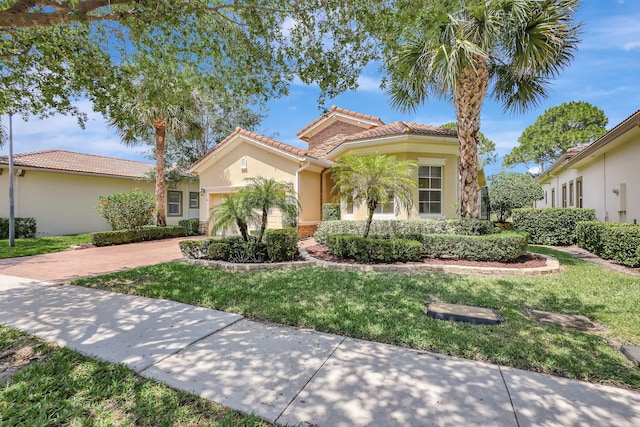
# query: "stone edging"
{"type": "Point", "coordinates": [551, 266]}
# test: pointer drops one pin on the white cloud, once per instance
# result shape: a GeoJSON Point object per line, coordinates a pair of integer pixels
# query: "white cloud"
{"type": "Point", "coordinates": [632, 45]}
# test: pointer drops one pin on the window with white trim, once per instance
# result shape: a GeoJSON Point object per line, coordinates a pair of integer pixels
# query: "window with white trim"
{"type": "Point", "coordinates": [430, 190]}
{"type": "Point", "coordinates": [174, 203]}
{"type": "Point", "coordinates": [388, 208]}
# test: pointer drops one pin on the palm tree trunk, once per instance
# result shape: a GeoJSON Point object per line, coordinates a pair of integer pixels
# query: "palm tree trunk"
{"type": "Point", "coordinates": [468, 98]}
{"type": "Point", "coordinates": [371, 207]}
{"type": "Point", "coordinates": [161, 130]}
{"type": "Point", "coordinates": [263, 224]}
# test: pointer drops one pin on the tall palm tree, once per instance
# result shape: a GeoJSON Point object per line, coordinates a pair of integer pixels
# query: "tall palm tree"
{"type": "Point", "coordinates": [266, 194]}
{"type": "Point", "coordinates": [513, 46]}
{"type": "Point", "coordinates": [373, 180]}
{"type": "Point", "coordinates": [233, 210]}
{"type": "Point", "coordinates": [152, 106]}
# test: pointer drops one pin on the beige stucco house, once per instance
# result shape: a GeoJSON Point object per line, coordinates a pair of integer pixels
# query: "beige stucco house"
{"type": "Point", "coordinates": [60, 189]}
{"type": "Point", "coordinates": [244, 154]}
{"type": "Point", "coordinates": [603, 175]}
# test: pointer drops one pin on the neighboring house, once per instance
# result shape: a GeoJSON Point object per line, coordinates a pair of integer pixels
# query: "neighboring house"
{"type": "Point", "coordinates": [603, 175]}
{"type": "Point", "coordinates": [338, 132]}
{"type": "Point", "coordinates": [60, 189]}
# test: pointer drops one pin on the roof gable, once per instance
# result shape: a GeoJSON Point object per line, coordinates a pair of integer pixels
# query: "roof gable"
{"type": "Point", "coordinates": [325, 120]}
{"type": "Point", "coordinates": [72, 162]}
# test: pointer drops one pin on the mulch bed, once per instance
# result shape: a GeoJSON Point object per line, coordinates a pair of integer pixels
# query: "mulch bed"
{"type": "Point", "coordinates": [527, 260]}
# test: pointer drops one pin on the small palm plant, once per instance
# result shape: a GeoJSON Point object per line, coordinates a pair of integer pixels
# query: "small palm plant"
{"type": "Point", "coordinates": [268, 194]}
{"type": "Point", "coordinates": [373, 180]}
{"type": "Point", "coordinates": [233, 210]}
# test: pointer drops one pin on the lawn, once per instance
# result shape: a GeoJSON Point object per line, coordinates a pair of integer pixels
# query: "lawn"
{"type": "Point", "coordinates": [65, 388]}
{"type": "Point", "coordinates": [40, 245]}
{"type": "Point", "coordinates": [389, 308]}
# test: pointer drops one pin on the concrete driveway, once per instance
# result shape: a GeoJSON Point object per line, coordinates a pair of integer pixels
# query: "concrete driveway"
{"type": "Point", "coordinates": [64, 266]}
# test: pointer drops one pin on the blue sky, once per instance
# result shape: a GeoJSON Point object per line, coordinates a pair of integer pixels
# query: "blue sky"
{"type": "Point", "coordinates": [605, 72]}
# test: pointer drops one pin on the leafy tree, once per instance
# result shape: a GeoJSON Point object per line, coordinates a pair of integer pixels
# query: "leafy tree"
{"type": "Point", "coordinates": [512, 190]}
{"type": "Point", "coordinates": [374, 179]}
{"type": "Point", "coordinates": [486, 147]}
{"type": "Point", "coordinates": [457, 49]}
{"type": "Point", "coordinates": [556, 130]}
{"type": "Point", "coordinates": [234, 210]}
{"type": "Point", "coordinates": [154, 101]}
{"type": "Point", "coordinates": [268, 194]}
{"type": "Point", "coordinates": [220, 115]}
{"type": "Point", "coordinates": [127, 211]}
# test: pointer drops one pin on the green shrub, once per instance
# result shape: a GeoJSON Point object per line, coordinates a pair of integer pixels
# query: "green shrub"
{"type": "Point", "coordinates": [394, 228]}
{"type": "Point", "coordinates": [551, 226]}
{"type": "Point", "coordinates": [611, 240]}
{"type": "Point", "coordinates": [370, 250]}
{"type": "Point", "coordinates": [219, 250]}
{"type": "Point", "coordinates": [282, 245]}
{"type": "Point", "coordinates": [127, 211]}
{"type": "Point", "coordinates": [191, 226]}
{"type": "Point", "coordinates": [248, 252]}
{"type": "Point", "coordinates": [495, 247]}
{"type": "Point", "coordinates": [119, 237]}
{"type": "Point", "coordinates": [24, 228]}
{"type": "Point", "coordinates": [195, 249]}
{"type": "Point", "coordinates": [331, 212]}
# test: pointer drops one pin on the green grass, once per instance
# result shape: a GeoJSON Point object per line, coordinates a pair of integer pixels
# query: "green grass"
{"type": "Point", "coordinates": [40, 245]}
{"type": "Point", "coordinates": [65, 388]}
{"type": "Point", "coordinates": [389, 308]}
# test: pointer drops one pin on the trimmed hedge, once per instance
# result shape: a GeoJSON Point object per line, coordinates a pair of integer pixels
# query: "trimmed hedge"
{"type": "Point", "coordinates": [191, 226]}
{"type": "Point", "coordinates": [282, 245]}
{"type": "Point", "coordinates": [551, 226]}
{"type": "Point", "coordinates": [395, 228]}
{"type": "Point", "coordinates": [370, 250]}
{"type": "Point", "coordinates": [120, 237]}
{"type": "Point", "coordinates": [331, 212]}
{"type": "Point", "coordinates": [24, 228]}
{"type": "Point", "coordinates": [495, 247]}
{"type": "Point", "coordinates": [611, 240]}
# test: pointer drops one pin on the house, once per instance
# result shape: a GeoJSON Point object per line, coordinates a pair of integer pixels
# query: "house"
{"type": "Point", "coordinates": [603, 175]}
{"type": "Point", "coordinates": [60, 189]}
{"type": "Point", "coordinates": [338, 132]}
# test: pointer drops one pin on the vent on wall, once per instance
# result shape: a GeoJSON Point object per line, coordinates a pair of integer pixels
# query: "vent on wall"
{"type": "Point", "coordinates": [243, 164]}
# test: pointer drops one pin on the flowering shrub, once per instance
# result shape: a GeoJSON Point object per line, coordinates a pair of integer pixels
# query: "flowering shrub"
{"type": "Point", "coordinates": [127, 211]}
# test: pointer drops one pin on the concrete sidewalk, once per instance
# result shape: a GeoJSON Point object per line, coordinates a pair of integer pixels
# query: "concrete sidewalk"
{"type": "Point", "coordinates": [288, 375]}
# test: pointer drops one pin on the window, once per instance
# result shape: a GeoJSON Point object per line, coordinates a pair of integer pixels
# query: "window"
{"type": "Point", "coordinates": [348, 209]}
{"type": "Point", "coordinates": [430, 190]}
{"type": "Point", "coordinates": [571, 193]}
{"type": "Point", "coordinates": [174, 203]}
{"type": "Point", "coordinates": [579, 192]}
{"type": "Point", "coordinates": [194, 200]}
{"type": "Point", "coordinates": [385, 208]}
{"type": "Point", "coordinates": [564, 195]}
{"type": "Point", "coordinates": [553, 197]}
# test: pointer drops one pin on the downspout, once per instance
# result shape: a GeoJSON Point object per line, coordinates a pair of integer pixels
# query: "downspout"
{"type": "Point", "coordinates": [604, 175]}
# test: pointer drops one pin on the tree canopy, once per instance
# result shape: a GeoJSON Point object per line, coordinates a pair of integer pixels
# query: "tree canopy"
{"type": "Point", "coordinates": [556, 130]}
{"type": "Point", "coordinates": [512, 190]}
{"type": "Point", "coordinates": [464, 50]}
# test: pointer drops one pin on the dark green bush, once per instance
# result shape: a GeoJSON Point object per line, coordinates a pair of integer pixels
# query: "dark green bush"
{"type": "Point", "coordinates": [24, 228]}
{"type": "Point", "coordinates": [119, 237]}
{"type": "Point", "coordinates": [370, 250]}
{"type": "Point", "coordinates": [331, 212]}
{"type": "Point", "coordinates": [494, 247]}
{"type": "Point", "coordinates": [248, 252]}
{"type": "Point", "coordinates": [551, 226]}
{"type": "Point", "coordinates": [191, 226]}
{"type": "Point", "coordinates": [394, 228]}
{"type": "Point", "coordinates": [282, 245]}
{"type": "Point", "coordinates": [611, 240]}
{"type": "Point", "coordinates": [219, 250]}
{"type": "Point", "coordinates": [195, 249]}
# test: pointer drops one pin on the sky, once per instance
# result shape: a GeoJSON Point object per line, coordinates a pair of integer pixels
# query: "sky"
{"type": "Point", "coordinates": [605, 72]}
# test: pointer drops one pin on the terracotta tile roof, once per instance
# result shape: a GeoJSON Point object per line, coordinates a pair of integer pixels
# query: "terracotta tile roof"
{"type": "Point", "coordinates": [266, 140]}
{"type": "Point", "coordinates": [335, 109]}
{"type": "Point", "coordinates": [69, 161]}
{"type": "Point", "coordinates": [392, 129]}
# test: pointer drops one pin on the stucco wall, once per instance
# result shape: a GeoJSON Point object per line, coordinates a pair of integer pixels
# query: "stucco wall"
{"type": "Point", "coordinates": [64, 203]}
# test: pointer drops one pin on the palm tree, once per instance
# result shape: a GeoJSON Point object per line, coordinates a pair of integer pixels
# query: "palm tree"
{"type": "Point", "coordinates": [266, 194]}
{"type": "Point", "coordinates": [373, 180]}
{"type": "Point", "coordinates": [151, 108]}
{"type": "Point", "coordinates": [516, 46]}
{"type": "Point", "coordinates": [233, 210]}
